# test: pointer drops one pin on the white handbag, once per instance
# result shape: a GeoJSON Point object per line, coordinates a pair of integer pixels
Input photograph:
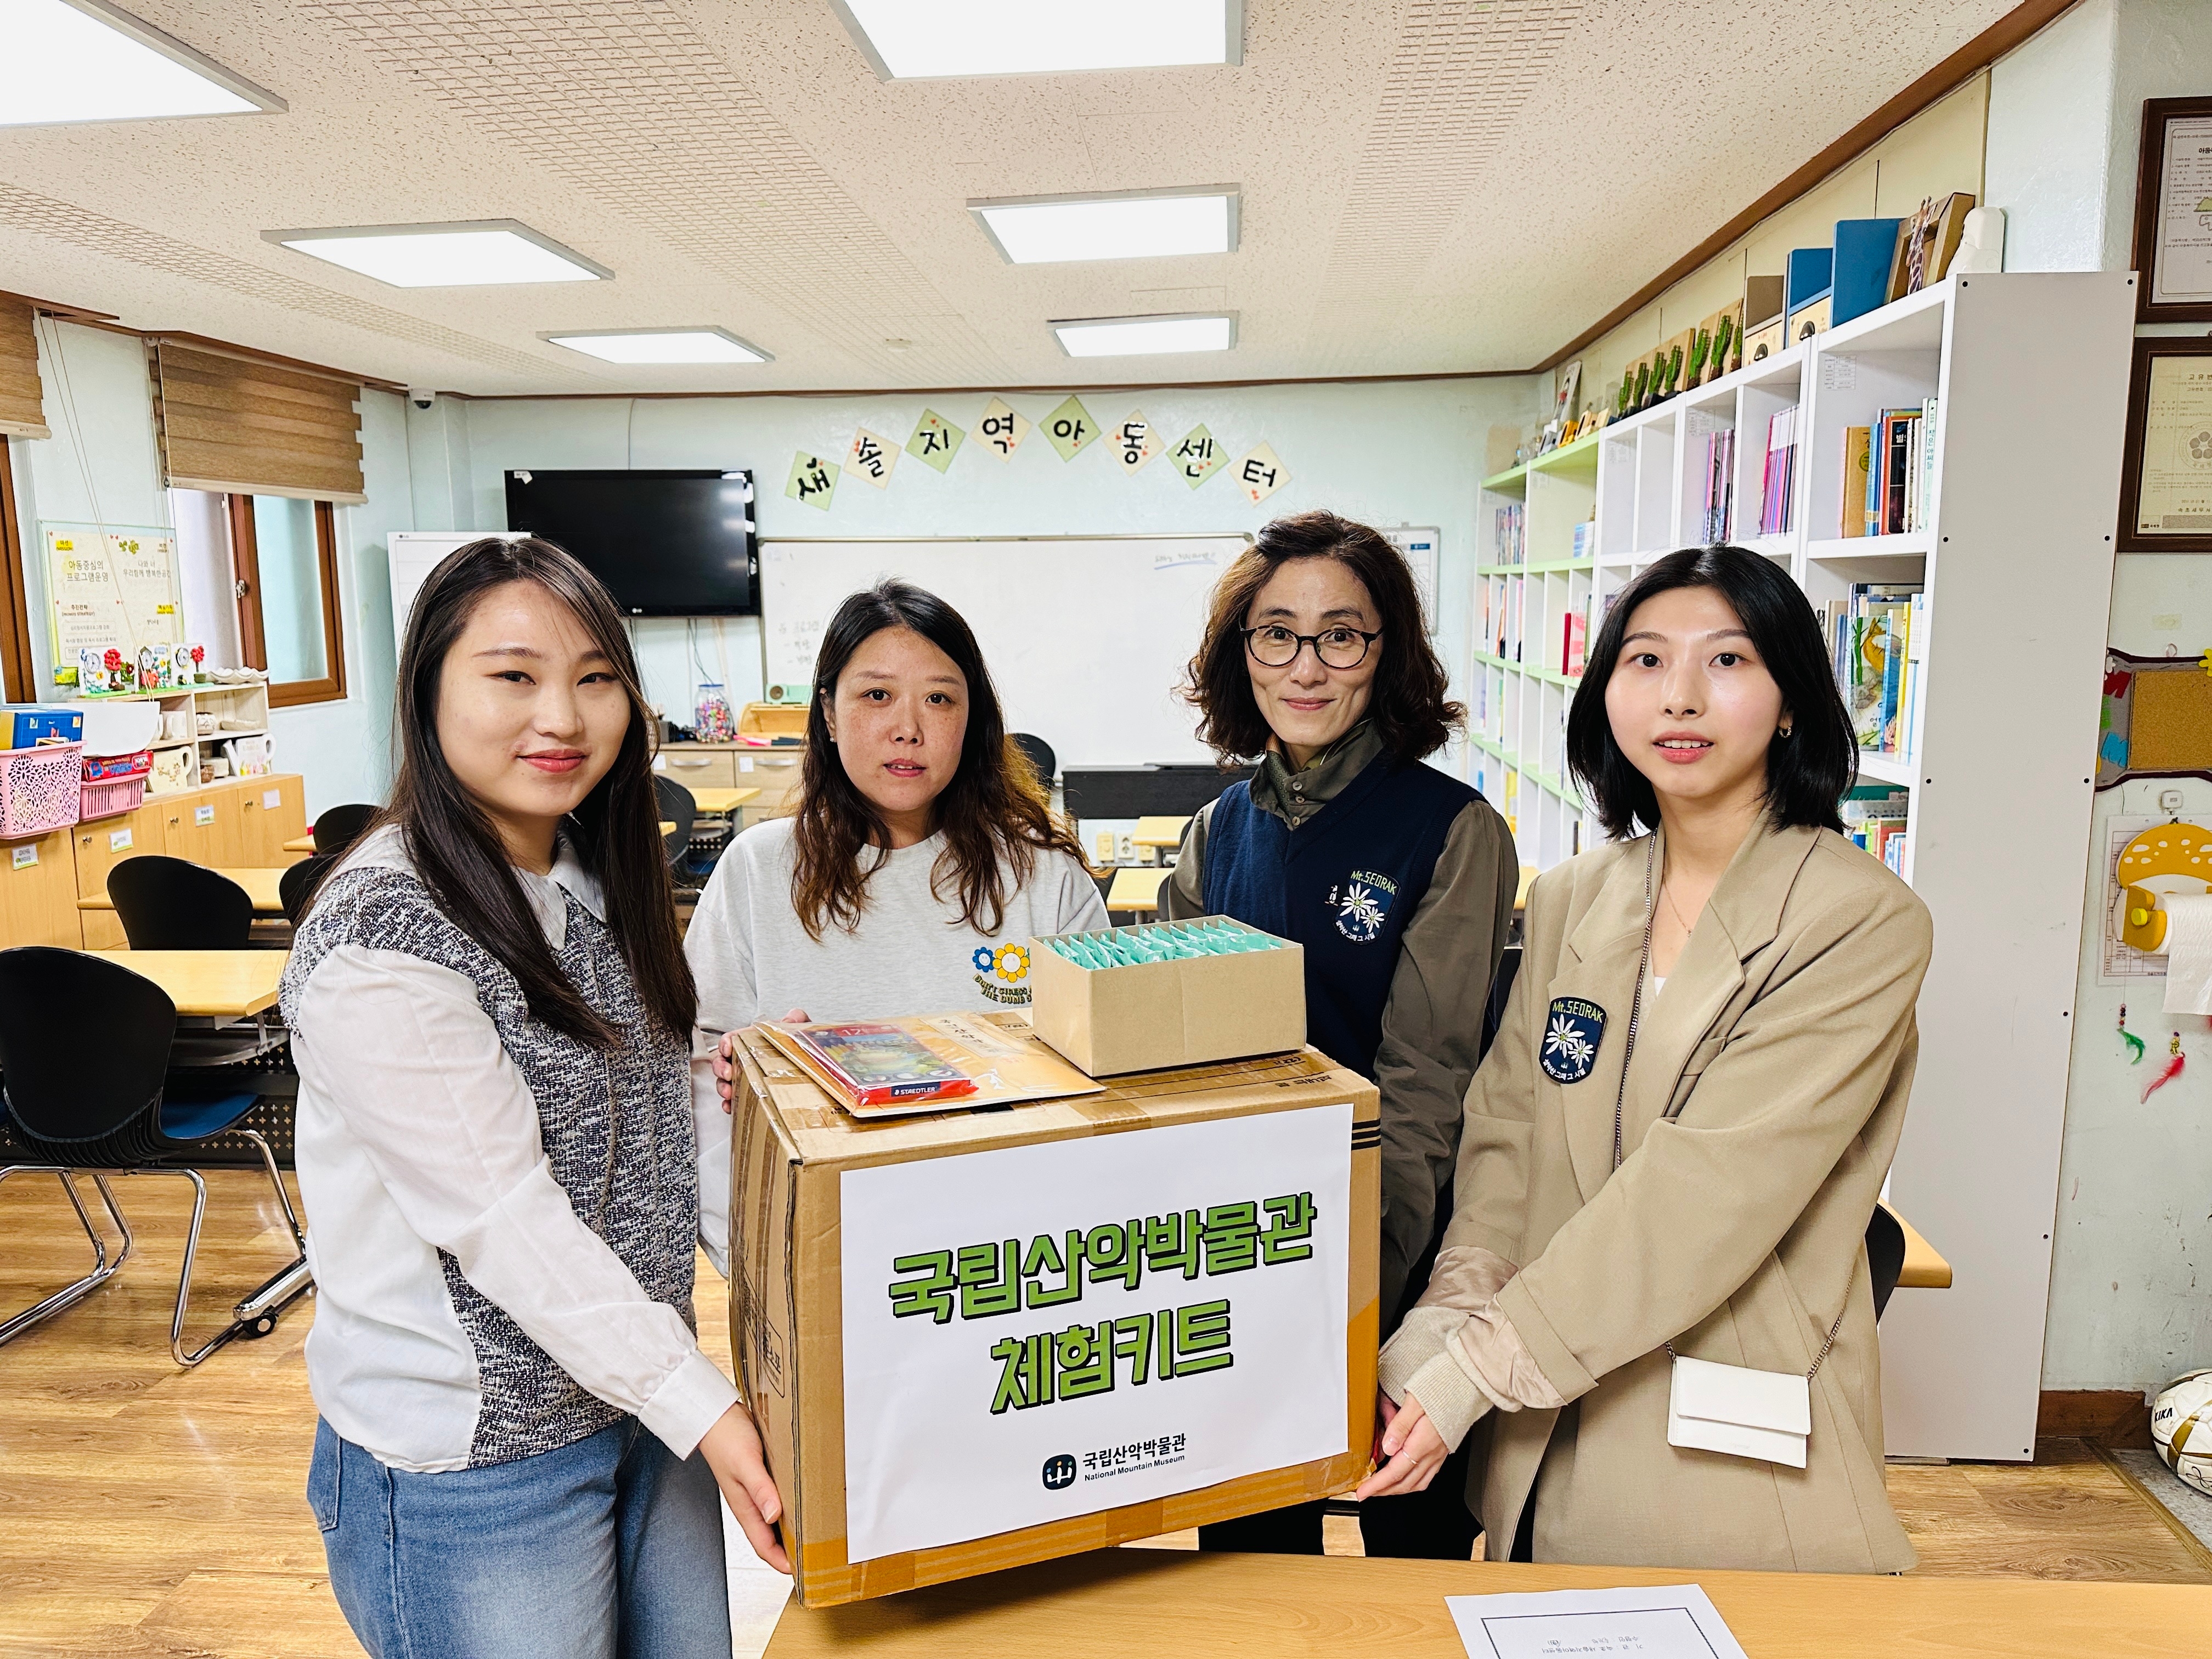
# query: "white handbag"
{"type": "Point", "coordinates": [1734, 1409]}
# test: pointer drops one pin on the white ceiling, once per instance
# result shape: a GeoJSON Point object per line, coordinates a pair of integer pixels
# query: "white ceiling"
{"type": "Point", "coordinates": [1429, 186]}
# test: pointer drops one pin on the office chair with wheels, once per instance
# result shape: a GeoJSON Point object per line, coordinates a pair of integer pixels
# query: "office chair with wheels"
{"type": "Point", "coordinates": [300, 880]}
{"type": "Point", "coordinates": [171, 904]}
{"type": "Point", "coordinates": [1040, 756]}
{"type": "Point", "coordinates": [84, 1048]}
{"type": "Point", "coordinates": [678, 807]}
{"type": "Point", "coordinates": [337, 828]}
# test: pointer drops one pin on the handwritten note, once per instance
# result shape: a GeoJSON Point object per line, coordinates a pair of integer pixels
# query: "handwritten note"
{"type": "Point", "coordinates": [813, 480]}
{"type": "Point", "coordinates": [1136, 442]}
{"type": "Point", "coordinates": [936, 440]}
{"type": "Point", "coordinates": [872, 458]}
{"type": "Point", "coordinates": [1070, 429]}
{"type": "Point", "coordinates": [1003, 429]}
{"type": "Point", "coordinates": [1199, 456]}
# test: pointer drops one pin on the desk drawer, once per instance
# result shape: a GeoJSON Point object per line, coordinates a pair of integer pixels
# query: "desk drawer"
{"type": "Point", "coordinates": [701, 769]}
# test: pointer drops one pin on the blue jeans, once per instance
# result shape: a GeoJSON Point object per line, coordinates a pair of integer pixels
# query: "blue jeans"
{"type": "Point", "coordinates": [608, 1548]}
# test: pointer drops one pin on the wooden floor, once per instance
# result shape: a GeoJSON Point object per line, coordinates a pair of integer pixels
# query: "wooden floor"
{"type": "Point", "coordinates": [144, 1510]}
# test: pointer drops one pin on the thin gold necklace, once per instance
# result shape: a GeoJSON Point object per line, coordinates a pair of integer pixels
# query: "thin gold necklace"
{"type": "Point", "coordinates": [1667, 893]}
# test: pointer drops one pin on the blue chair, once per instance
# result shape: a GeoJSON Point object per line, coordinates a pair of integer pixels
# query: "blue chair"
{"type": "Point", "coordinates": [84, 1052]}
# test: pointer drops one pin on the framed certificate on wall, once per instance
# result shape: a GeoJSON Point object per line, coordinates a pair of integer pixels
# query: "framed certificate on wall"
{"type": "Point", "coordinates": [2173, 212]}
{"type": "Point", "coordinates": [2165, 478]}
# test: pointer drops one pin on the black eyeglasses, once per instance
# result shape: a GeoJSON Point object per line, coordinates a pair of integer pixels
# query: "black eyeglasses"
{"type": "Point", "coordinates": [1273, 645]}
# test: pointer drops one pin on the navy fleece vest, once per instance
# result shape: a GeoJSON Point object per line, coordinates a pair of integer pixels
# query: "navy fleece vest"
{"type": "Point", "coordinates": [1344, 884]}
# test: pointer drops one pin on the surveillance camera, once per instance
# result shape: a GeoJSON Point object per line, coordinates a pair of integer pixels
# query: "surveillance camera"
{"type": "Point", "coordinates": [420, 396]}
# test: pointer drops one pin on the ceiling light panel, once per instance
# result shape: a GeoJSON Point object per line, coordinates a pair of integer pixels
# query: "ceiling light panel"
{"type": "Point", "coordinates": [1146, 336]}
{"type": "Point", "coordinates": [905, 41]}
{"type": "Point", "coordinates": [470, 255]}
{"type": "Point", "coordinates": [661, 345]}
{"type": "Point", "coordinates": [1133, 225]}
{"type": "Point", "coordinates": [81, 60]}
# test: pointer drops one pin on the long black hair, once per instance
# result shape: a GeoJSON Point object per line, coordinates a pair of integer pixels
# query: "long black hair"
{"type": "Point", "coordinates": [614, 832]}
{"type": "Point", "coordinates": [995, 814]}
{"type": "Point", "coordinates": [1807, 772]}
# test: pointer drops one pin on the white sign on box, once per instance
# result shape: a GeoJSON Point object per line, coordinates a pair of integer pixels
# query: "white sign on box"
{"type": "Point", "coordinates": [1170, 1357]}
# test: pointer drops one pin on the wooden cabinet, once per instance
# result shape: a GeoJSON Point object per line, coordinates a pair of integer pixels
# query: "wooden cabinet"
{"type": "Point", "coordinates": [699, 765]}
{"type": "Point", "coordinates": [207, 826]}
{"type": "Point", "coordinates": [774, 772]}
{"type": "Point", "coordinates": [99, 847]}
{"type": "Point", "coordinates": [271, 811]}
{"type": "Point", "coordinates": [37, 891]}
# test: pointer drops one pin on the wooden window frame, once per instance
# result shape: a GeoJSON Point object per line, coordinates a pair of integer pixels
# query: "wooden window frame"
{"type": "Point", "coordinates": [253, 639]}
{"type": "Point", "coordinates": [17, 669]}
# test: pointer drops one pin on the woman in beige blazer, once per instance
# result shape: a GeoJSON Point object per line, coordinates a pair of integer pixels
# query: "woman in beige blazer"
{"type": "Point", "coordinates": [1678, 1137]}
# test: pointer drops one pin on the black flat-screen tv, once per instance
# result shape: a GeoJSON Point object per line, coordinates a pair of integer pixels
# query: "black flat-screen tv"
{"type": "Point", "coordinates": [667, 543]}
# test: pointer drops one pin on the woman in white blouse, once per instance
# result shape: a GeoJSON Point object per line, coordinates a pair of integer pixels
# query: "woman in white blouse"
{"type": "Point", "coordinates": [520, 1443]}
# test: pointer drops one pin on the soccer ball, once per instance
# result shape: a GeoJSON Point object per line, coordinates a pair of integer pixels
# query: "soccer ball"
{"type": "Point", "coordinates": [2181, 1428]}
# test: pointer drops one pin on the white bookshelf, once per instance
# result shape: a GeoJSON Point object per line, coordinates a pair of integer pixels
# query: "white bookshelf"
{"type": "Point", "coordinates": [2030, 373]}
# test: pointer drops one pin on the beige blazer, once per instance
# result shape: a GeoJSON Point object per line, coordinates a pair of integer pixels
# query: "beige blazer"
{"type": "Point", "coordinates": [1763, 1106]}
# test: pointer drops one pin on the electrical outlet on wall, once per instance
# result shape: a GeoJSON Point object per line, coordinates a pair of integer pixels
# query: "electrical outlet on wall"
{"type": "Point", "coordinates": [1125, 848]}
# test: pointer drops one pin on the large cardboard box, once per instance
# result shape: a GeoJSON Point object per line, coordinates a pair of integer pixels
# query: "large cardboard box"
{"type": "Point", "coordinates": [1139, 1016]}
{"type": "Point", "coordinates": [978, 1339]}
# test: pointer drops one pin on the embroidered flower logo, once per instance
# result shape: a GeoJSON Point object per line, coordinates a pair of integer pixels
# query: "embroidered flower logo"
{"type": "Point", "coordinates": [984, 957]}
{"type": "Point", "coordinates": [1012, 963]}
{"type": "Point", "coordinates": [1566, 1042]}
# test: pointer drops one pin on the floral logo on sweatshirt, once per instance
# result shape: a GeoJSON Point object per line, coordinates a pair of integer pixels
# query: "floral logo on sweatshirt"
{"type": "Point", "coordinates": [1001, 971]}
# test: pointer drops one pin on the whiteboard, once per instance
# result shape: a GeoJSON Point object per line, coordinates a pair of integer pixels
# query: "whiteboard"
{"type": "Point", "coordinates": [414, 554]}
{"type": "Point", "coordinates": [1086, 636]}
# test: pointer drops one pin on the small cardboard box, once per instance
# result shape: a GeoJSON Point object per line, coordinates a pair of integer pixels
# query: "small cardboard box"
{"type": "Point", "coordinates": [1148, 1015]}
{"type": "Point", "coordinates": [978, 1339]}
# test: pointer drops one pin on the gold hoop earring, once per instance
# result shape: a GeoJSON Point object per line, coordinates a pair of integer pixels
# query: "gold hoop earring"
{"type": "Point", "coordinates": [1785, 731]}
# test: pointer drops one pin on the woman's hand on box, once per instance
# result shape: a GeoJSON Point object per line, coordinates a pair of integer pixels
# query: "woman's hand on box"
{"type": "Point", "coordinates": [725, 1057]}
{"type": "Point", "coordinates": [732, 1450]}
{"type": "Point", "coordinates": [1414, 1450]}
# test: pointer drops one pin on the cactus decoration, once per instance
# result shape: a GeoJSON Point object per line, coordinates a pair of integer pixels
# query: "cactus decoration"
{"type": "Point", "coordinates": [1700, 351]}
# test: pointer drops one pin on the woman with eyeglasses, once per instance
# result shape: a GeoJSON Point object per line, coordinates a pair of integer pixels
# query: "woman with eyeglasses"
{"type": "Point", "coordinates": [1396, 879]}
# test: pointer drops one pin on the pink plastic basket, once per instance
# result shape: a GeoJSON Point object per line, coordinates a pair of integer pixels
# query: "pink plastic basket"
{"type": "Point", "coordinates": [115, 795]}
{"type": "Point", "coordinates": [39, 788]}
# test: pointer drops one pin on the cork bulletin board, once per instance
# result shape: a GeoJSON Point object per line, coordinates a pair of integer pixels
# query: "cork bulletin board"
{"type": "Point", "coordinates": [2157, 718]}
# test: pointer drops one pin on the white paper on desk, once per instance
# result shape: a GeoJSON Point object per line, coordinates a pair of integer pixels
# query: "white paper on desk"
{"type": "Point", "coordinates": [1668, 1621]}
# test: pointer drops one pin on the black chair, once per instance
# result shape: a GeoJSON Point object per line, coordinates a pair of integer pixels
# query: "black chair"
{"type": "Point", "coordinates": [300, 880]}
{"type": "Point", "coordinates": [1884, 1248]}
{"type": "Point", "coordinates": [680, 807]}
{"type": "Point", "coordinates": [102, 1269]}
{"type": "Point", "coordinates": [337, 828]}
{"type": "Point", "coordinates": [1040, 756]}
{"type": "Point", "coordinates": [170, 904]}
{"type": "Point", "coordinates": [84, 1048]}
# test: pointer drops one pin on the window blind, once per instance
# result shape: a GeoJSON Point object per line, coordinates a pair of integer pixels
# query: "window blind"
{"type": "Point", "coordinates": [23, 399]}
{"type": "Point", "coordinates": [244, 427]}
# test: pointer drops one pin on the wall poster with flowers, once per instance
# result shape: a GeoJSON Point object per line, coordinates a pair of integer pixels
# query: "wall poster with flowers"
{"type": "Point", "coordinates": [112, 589]}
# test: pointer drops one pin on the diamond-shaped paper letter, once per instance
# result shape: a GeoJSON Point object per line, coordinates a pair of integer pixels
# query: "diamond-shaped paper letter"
{"type": "Point", "coordinates": [1260, 475]}
{"type": "Point", "coordinates": [1135, 442]}
{"type": "Point", "coordinates": [1003, 429]}
{"type": "Point", "coordinates": [1070, 427]}
{"type": "Point", "coordinates": [935, 440]}
{"type": "Point", "coordinates": [812, 480]}
{"type": "Point", "coordinates": [871, 458]}
{"type": "Point", "coordinates": [1199, 456]}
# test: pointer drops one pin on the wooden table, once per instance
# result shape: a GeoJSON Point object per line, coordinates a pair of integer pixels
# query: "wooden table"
{"type": "Point", "coordinates": [1165, 831]}
{"type": "Point", "coordinates": [1924, 1269]}
{"type": "Point", "coordinates": [301, 843]}
{"type": "Point", "coordinates": [1164, 1604]}
{"type": "Point", "coordinates": [220, 984]}
{"type": "Point", "coordinates": [260, 883]}
{"type": "Point", "coordinates": [1136, 887]}
{"type": "Point", "coordinates": [718, 802]}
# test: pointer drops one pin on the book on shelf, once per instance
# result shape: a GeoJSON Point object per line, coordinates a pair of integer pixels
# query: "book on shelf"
{"type": "Point", "coordinates": [1780, 476]}
{"type": "Point", "coordinates": [1870, 633]}
{"type": "Point", "coordinates": [1585, 540]}
{"type": "Point", "coordinates": [1508, 533]}
{"type": "Point", "coordinates": [1718, 521]}
{"type": "Point", "coordinates": [1879, 826]}
{"type": "Point", "coordinates": [1857, 454]}
{"type": "Point", "coordinates": [1900, 484]}
{"type": "Point", "coordinates": [1574, 638]}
